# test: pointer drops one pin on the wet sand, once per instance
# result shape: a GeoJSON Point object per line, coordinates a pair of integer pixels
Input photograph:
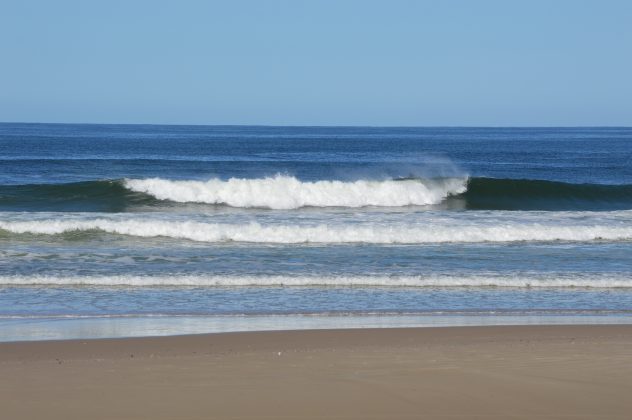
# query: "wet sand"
{"type": "Point", "coordinates": [515, 372]}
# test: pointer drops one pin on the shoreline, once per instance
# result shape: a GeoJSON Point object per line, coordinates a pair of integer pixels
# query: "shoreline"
{"type": "Point", "coordinates": [523, 372]}
{"type": "Point", "coordinates": [308, 338]}
{"type": "Point", "coordinates": [42, 329]}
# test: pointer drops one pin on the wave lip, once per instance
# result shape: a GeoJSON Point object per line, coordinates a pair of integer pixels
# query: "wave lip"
{"type": "Point", "coordinates": [285, 192]}
{"type": "Point", "coordinates": [518, 280]}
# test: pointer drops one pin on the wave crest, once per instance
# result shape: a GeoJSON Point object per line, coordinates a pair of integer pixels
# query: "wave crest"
{"type": "Point", "coordinates": [286, 192]}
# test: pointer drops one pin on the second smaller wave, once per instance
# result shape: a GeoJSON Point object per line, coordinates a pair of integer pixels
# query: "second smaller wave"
{"type": "Point", "coordinates": [446, 230]}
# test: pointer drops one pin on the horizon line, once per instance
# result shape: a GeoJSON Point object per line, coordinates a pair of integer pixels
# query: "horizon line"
{"type": "Point", "coordinates": [314, 125]}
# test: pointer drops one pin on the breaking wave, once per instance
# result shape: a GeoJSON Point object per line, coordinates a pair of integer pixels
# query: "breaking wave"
{"type": "Point", "coordinates": [287, 192]}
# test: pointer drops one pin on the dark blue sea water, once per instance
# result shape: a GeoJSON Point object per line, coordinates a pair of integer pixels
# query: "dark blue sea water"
{"type": "Point", "coordinates": [134, 221]}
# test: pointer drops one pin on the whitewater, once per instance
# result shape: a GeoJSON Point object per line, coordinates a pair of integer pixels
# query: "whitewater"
{"type": "Point", "coordinates": [464, 280]}
{"type": "Point", "coordinates": [287, 192]}
{"type": "Point", "coordinates": [405, 228]}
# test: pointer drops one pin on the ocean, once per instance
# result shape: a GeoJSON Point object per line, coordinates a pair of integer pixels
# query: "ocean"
{"type": "Point", "coordinates": [122, 230]}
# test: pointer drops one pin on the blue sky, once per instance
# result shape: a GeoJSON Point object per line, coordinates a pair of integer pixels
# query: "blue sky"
{"type": "Point", "coordinates": [414, 63]}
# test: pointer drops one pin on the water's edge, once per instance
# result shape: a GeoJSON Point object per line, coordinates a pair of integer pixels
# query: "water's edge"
{"type": "Point", "coordinates": [43, 329]}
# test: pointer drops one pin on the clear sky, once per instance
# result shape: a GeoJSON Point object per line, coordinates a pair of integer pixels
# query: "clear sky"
{"type": "Point", "coordinates": [442, 62]}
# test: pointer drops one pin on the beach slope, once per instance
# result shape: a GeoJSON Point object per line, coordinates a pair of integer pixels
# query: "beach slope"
{"type": "Point", "coordinates": [526, 372]}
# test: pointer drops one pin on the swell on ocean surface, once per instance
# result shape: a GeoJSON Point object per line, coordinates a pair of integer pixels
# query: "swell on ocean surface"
{"type": "Point", "coordinates": [516, 280]}
{"type": "Point", "coordinates": [288, 193]}
{"type": "Point", "coordinates": [527, 194]}
{"type": "Point", "coordinates": [104, 196]}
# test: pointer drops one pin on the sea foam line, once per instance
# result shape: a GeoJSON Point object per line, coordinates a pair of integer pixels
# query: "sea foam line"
{"type": "Point", "coordinates": [286, 192]}
{"type": "Point", "coordinates": [448, 231]}
{"type": "Point", "coordinates": [526, 280]}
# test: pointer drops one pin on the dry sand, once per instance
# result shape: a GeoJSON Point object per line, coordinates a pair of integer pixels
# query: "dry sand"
{"type": "Point", "coordinates": [530, 372]}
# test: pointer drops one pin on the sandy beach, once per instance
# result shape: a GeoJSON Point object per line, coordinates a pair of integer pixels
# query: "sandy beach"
{"type": "Point", "coordinates": [526, 372]}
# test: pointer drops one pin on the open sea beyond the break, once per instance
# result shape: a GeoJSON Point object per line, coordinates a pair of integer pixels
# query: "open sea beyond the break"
{"type": "Point", "coordinates": [122, 230]}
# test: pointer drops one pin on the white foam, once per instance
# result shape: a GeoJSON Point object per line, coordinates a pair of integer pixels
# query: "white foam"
{"type": "Point", "coordinates": [431, 231]}
{"type": "Point", "coordinates": [286, 192]}
{"type": "Point", "coordinates": [524, 280]}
